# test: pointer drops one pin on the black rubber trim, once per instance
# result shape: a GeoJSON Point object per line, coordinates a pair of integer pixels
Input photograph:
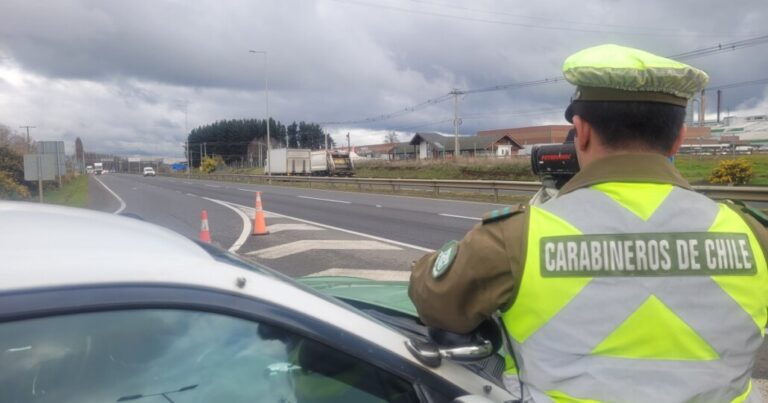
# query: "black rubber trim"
{"type": "Point", "coordinates": [31, 304]}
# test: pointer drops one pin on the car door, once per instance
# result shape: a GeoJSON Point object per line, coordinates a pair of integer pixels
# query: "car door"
{"type": "Point", "coordinates": [158, 343]}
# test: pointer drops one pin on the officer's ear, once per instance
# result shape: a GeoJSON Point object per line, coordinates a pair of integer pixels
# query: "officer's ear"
{"type": "Point", "coordinates": [678, 142]}
{"type": "Point", "coordinates": [583, 133]}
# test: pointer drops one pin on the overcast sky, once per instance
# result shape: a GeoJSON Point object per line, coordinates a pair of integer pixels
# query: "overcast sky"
{"type": "Point", "coordinates": [118, 74]}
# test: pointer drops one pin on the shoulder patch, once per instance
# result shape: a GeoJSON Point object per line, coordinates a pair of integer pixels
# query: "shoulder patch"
{"type": "Point", "coordinates": [445, 257]}
{"type": "Point", "coordinates": [503, 213]}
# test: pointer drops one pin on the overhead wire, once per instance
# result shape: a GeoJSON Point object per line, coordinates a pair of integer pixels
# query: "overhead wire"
{"type": "Point", "coordinates": [727, 47]}
{"type": "Point", "coordinates": [510, 23]}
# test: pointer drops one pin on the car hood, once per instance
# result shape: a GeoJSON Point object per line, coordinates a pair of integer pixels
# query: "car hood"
{"type": "Point", "coordinates": [385, 294]}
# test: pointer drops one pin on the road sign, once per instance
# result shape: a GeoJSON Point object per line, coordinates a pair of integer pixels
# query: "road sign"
{"type": "Point", "coordinates": [134, 159]}
{"type": "Point", "coordinates": [40, 167]}
{"type": "Point", "coordinates": [55, 148]}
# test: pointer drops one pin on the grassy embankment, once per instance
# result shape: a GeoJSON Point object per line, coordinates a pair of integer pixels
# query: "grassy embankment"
{"type": "Point", "coordinates": [73, 193]}
{"type": "Point", "coordinates": [696, 169]}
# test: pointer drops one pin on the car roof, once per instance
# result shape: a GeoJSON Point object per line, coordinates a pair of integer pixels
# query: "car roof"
{"type": "Point", "coordinates": [45, 246]}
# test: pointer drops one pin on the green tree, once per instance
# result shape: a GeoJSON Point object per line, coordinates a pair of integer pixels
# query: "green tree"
{"type": "Point", "coordinates": [293, 135]}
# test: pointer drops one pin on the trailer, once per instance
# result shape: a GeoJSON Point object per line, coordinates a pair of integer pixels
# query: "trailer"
{"type": "Point", "coordinates": [294, 161]}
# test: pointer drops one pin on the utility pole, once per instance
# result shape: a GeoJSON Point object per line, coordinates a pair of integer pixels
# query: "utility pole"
{"type": "Point", "coordinates": [702, 109]}
{"type": "Point", "coordinates": [200, 166]}
{"type": "Point", "coordinates": [29, 145]}
{"type": "Point", "coordinates": [266, 97]}
{"type": "Point", "coordinates": [326, 141]}
{"type": "Point", "coordinates": [186, 132]}
{"type": "Point", "coordinates": [456, 123]}
{"type": "Point", "coordinates": [349, 144]}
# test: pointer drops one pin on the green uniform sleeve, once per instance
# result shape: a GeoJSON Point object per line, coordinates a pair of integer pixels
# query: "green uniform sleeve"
{"type": "Point", "coordinates": [480, 278]}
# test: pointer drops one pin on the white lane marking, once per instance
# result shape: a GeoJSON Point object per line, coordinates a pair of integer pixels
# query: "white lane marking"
{"type": "Point", "coordinates": [190, 194]}
{"type": "Point", "coordinates": [292, 227]}
{"type": "Point", "coordinates": [212, 186]}
{"type": "Point", "coordinates": [246, 225]}
{"type": "Point", "coordinates": [305, 245]}
{"type": "Point", "coordinates": [378, 205]}
{"type": "Point", "coordinates": [393, 242]}
{"type": "Point", "coordinates": [247, 190]}
{"type": "Point", "coordinates": [122, 203]}
{"type": "Point", "coordinates": [372, 274]}
{"type": "Point", "coordinates": [252, 211]}
{"type": "Point", "coordinates": [460, 216]}
{"type": "Point", "coordinates": [188, 183]}
{"type": "Point", "coordinates": [16, 349]}
{"type": "Point", "coordinates": [328, 200]}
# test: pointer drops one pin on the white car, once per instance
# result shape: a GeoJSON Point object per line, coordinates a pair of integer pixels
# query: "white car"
{"type": "Point", "coordinates": [149, 171]}
{"type": "Point", "coordinates": [98, 307]}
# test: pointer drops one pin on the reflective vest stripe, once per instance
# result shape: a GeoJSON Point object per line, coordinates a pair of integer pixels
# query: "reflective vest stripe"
{"type": "Point", "coordinates": [691, 337]}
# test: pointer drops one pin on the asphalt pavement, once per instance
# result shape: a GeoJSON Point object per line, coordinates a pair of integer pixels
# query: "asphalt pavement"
{"type": "Point", "coordinates": [312, 231]}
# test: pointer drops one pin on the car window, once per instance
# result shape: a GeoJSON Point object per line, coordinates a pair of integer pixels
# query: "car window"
{"type": "Point", "coordinates": [180, 356]}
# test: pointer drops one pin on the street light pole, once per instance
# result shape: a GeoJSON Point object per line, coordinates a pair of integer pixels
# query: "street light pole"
{"type": "Point", "coordinates": [456, 123]}
{"type": "Point", "coordinates": [266, 97]}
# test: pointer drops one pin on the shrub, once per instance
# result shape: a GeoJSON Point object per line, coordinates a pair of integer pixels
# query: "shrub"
{"type": "Point", "coordinates": [732, 172]}
{"type": "Point", "coordinates": [211, 163]}
{"type": "Point", "coordinates": [12, 164]}
{"type": "Point", "coordinates": [10, 189]}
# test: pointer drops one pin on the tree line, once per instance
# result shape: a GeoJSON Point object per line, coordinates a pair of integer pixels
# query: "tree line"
{"type": "Point", "coordinates": [239, 140]}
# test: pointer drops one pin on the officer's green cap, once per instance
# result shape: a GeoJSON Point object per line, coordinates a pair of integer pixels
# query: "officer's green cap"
{"type": "Point", "coordinates": [618, 73]}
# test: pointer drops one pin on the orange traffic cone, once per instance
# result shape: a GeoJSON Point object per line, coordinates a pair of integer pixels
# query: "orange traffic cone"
{"type": "Point", "coordinates": [205, 233]}
{"type": "Point", "coordinates": [259, 223]}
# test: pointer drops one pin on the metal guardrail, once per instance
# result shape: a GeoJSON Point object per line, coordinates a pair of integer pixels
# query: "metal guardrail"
{"type": "Point", "coordinates": [746, 193]}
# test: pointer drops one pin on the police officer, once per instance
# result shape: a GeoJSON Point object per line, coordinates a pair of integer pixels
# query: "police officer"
{"type": "Point", "coordinates": [628, 286]}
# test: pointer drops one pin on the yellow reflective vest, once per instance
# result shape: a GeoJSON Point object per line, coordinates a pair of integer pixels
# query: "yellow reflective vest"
{"type": "Point", "coordinates": [638, 292]}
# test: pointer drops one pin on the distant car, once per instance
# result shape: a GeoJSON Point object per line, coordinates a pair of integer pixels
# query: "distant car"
{"type": "Point", "coordinates": [160, 316]}
{"type": "Point", "coordinates": [149, 171]}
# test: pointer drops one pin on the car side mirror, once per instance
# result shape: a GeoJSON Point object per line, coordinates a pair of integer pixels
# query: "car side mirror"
{"type": "Point", "coordinates": [431, 355]}
{"type": "Point", "coordinates": [477, 345]}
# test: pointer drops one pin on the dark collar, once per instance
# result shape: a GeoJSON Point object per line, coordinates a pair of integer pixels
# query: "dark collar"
{"type": "Point", "coordinates": [645, 168]}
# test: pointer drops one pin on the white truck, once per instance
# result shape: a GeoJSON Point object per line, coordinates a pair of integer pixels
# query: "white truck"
{"type": "Point", "coordinates": [293, 161]}
{"type": "Point", "coordinates": [332, 163]}
{"type": "Point", "coordinates": [300, 161]}
{"type": "Point", "coordinates": [98, 168]}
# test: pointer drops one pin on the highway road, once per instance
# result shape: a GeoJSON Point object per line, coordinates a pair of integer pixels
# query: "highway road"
{"type": "Point", "coordinates": [313, 231]}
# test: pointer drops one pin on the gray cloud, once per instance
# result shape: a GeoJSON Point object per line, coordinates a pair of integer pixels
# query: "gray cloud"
{"type": "Point", "coordinates": [118, 73]}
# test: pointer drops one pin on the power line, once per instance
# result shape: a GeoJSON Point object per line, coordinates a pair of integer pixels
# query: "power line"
{"type": "Point", "coordinates": [727, 47]}
{"type": "Point", "coordinates": [745, 43]}
{"type": "Point", "coordinates": [555, 20]}
{"type": "Point", "coordinates": [516, 24]}
{"type": "Point", "coordinates": [740, 84]}
{"type": "Point", "coordinates": [401, 112]}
